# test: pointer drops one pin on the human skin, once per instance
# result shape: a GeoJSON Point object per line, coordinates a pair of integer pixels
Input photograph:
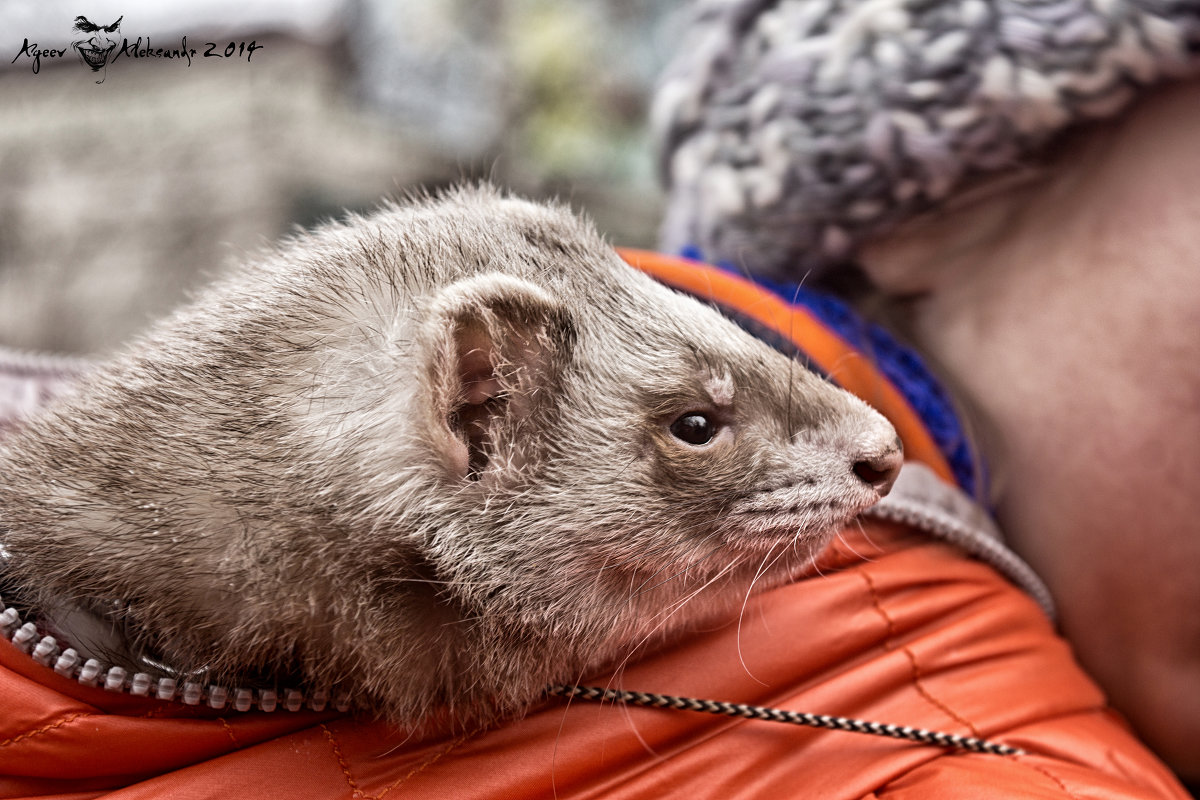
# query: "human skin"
{"type": "Point", "coordinates": [1065, 306]}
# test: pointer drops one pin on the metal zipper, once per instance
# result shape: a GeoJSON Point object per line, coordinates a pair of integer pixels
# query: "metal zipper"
{"type": "Point", "coordinates": [47, 651]}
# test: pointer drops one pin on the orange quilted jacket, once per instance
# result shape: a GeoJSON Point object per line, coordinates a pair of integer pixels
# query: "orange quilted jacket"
{"type": "Point", "coordinates": [895, 628]}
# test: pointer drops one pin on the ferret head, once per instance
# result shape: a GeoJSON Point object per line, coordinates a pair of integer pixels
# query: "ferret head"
{"type": "Point", "coordinates": [603, 447]}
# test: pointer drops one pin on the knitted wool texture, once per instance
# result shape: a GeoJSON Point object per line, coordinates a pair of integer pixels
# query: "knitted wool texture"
{"type": "Point", "coordinates": [791, 130]}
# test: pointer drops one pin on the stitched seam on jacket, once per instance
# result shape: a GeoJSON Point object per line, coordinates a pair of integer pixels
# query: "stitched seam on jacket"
{"type": "Point", "coordinates": [428, 762]}
{"type": "Point", "coordinates": [357, 792]}
{"type": "Point", "coordinates": [229, 730]}
{"type": "Point", "coordinates": [30, 734]}
{"type": "Point", "coordinates": [917, 677]}
{"type": "Point", "coordinates": [1057, 781]}
{"type": "Point", "coordinates": [337, 753]}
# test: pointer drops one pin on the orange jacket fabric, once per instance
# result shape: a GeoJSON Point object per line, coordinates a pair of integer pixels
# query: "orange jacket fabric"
{"type": "Point", "coordinates": [892, 627]}
{"type": "Point", "coordinates": [896, 629]}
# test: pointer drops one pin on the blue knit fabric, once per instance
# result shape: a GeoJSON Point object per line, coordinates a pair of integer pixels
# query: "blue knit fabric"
{"type": "Point", "coordinates": [899, 364]}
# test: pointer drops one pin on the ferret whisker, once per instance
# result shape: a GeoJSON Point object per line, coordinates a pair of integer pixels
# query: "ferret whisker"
{"type": "Point", "coordinates": [639, 557]}
{"type": "Point", "coordinates": [688, 567]}
{"type": "Point", "coordinates": [763, 566]}
{"type": "Point", "coordinates": [864, 530]}
{"type": "Point", "coordinates": [613, 682]}
{"type": "Point", "coordinates": [635, 561]}
{"type": "Point", "coordinates": [807, 560]}
{"type": "Point", "coordinates": [562, 723]}
{"type": "Point", "coordinates": [665, 615]}
{"type": "Point", "coordinates": [857, 522]}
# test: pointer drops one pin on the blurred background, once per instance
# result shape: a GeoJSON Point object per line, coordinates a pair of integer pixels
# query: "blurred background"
{"type": "Point", "coordinates": [123, 188]}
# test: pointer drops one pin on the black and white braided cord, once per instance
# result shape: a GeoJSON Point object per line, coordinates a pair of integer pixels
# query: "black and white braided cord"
{"type": "Point", "coordinates": [651, 700]}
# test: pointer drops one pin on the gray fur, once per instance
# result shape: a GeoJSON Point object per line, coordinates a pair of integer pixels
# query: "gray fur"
{"type": "Point", "coordinates": [425, 456]}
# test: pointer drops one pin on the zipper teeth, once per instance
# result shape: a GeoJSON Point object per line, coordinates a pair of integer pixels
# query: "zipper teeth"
{"type": "Point", "coordinates": [30, 361]}
{"type": "Point", "coordinates": [67, 662]}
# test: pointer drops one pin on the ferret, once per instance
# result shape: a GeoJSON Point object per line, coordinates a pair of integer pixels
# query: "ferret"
{"type": "Point", "coordinates": [439, 457]}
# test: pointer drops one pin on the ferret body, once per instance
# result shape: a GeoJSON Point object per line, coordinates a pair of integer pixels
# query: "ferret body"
{"type": "Point", "coordinates": [439, 457]}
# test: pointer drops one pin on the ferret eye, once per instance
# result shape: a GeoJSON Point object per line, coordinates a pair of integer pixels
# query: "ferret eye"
{"type": "Point", "coordinates": [694, 429]}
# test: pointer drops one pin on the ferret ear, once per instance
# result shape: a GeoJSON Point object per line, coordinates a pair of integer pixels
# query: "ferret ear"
{"type": "Point", "coordinates": [499, 346]}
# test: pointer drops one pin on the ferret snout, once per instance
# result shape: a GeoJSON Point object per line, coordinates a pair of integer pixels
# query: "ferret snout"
{"type": "Point", "coordinates": [877, 466]}
{"type": "Point", "coordinates": [880, 471]}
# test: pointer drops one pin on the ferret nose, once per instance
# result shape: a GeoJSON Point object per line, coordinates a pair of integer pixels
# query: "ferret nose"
{"type": "Point", "coordinates": [880, 471]}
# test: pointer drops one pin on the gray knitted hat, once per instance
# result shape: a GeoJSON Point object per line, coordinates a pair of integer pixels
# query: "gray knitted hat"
{"type": "Point", "coordinates": [792, 129]}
